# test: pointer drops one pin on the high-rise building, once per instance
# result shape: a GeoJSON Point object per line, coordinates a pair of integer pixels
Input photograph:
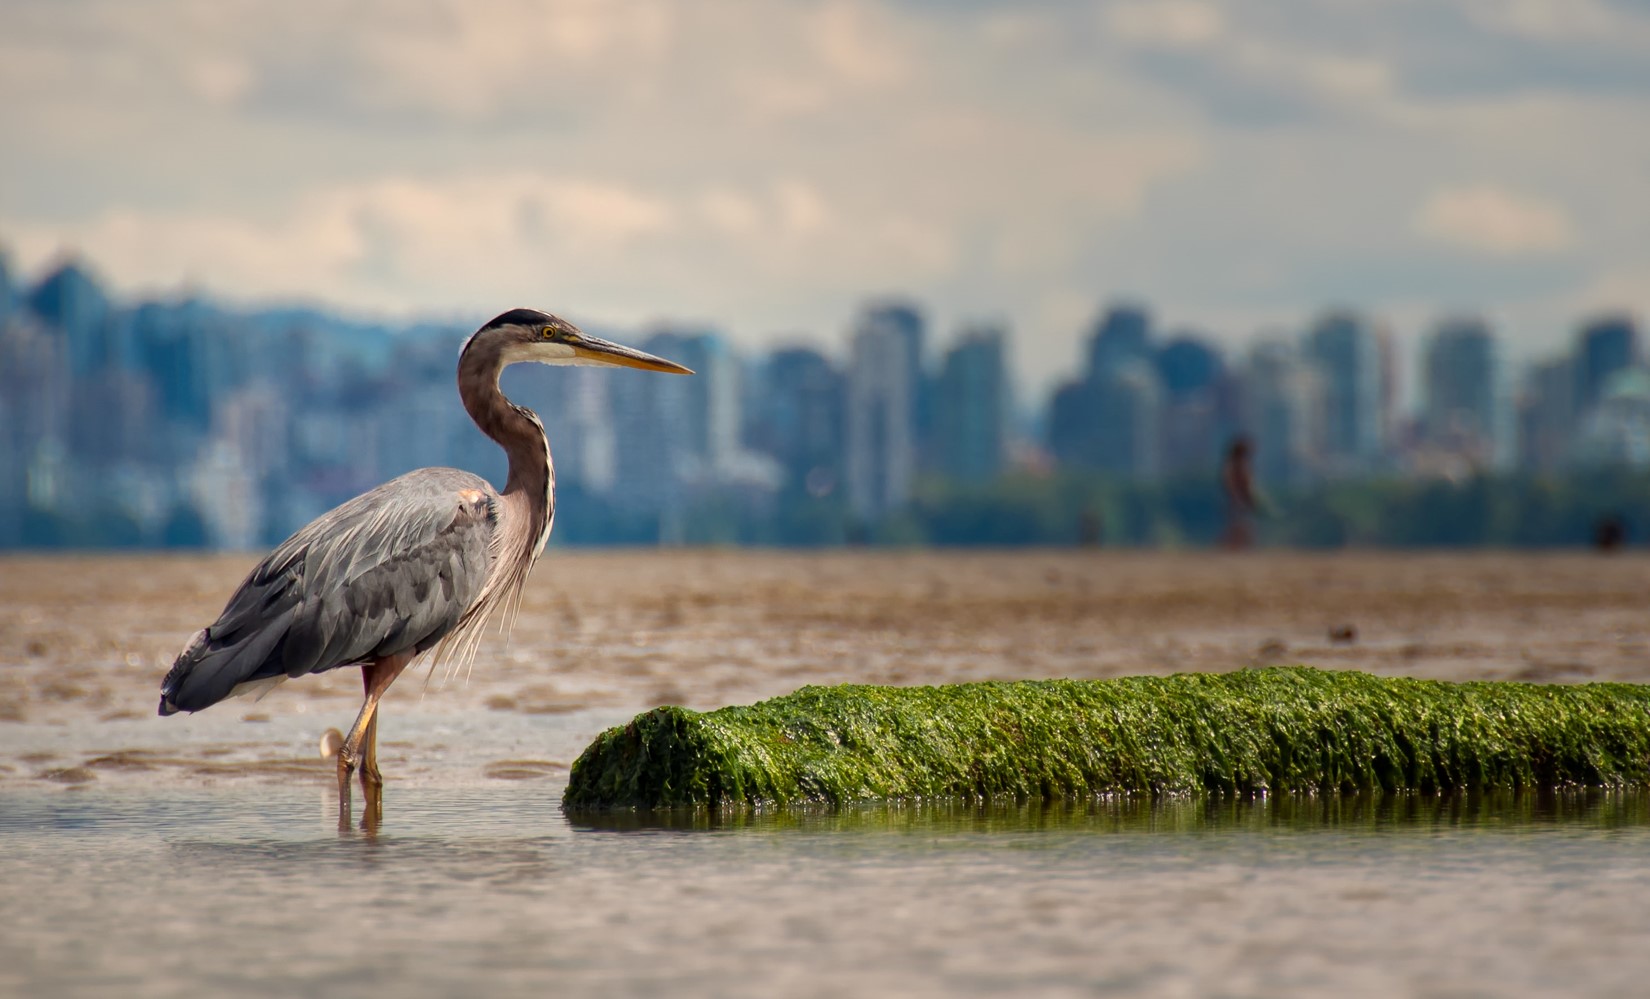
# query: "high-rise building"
{"type": "Point", "coordinates": [583, 441]}
{"type": "Point", "coordinates": [800, 420]}
{"type": "Point", "coordinates": [904, 321]}
{"type": "Point", "coordinates": [711, 417]}
{"type": "Point", "coordinates": [1464, 410]}
{"type": "Point", "coordinates": [1605, 345]}
{"type": "Point", "coordinates": [1283, 403]}
{"type": "Point", "coordinates": [1198, 417]}
{"type": "Point", "coordinates": [971, 402]}
{"type": "Point", "coordinates": [1188, 365]}
{"type": "Point", "coordinates": [1073, 421]}
{"type": "Point", "coordinates": [70, 301]}
{"type": "Point", "coordinates": [112, 418]}
{"type": "Point", "coordinates": [174, 345]}
{"type": "Point", "coordinates": [35, 395]}
{"type": "Point", "coordinates": [1122, 336]}
{"type": "Point", "coordinates": [1547, 415]}
{"type": "Point", "coordinates": [1129, 436]}
{"type": "Point", "coordinates": [1110, 425]}
{"type": "Point", "coordinates": [881, 424]}
{"type": "Point", "coordinates": [1347, 351]}
{"type": "Point", "coordinates": [1111, 420]}
{"type": "Point", "coordinates": [1616, 432]}
{"type": "Point", "coordinates": [679, 437]}
{"type": "Point", "coordinates": [663, 431]}
{"type": "Point", "coordinates": [8, 289]}
{"type": "Point", "coordinates": [35, 384]}
{"type": "Point", "coordinates": [225, 491]}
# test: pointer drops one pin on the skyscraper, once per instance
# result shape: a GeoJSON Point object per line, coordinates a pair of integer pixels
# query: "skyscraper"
{"type": "Point", "coordinates": [1112, 424]}
{"type": "Point", "coordinates": [1616, 433]}
{"type": "Point", "coordinates": [1464, 409]}
{"type": "Point", "coordinates": [655, 457]}
{"type": "Point", "coordinates": [71, 302]}
{"type": "Point", "coordinates": [800, 419]}
{"type": "Point", "coordinates": [1111, 420]}
{"type": "Point", "coordinates": [1606, 345]}
{"type": "Point", "coordinates": [904, 321]}
{"type": "Point", "coordinates": [1121, 336]}
{"type": "Point", "coordinates": [1130, 414]}
{"type": "Point", "coordinates": [174, 346]}
{"type": "Point", "coordinates": [881, 427]}
{"type": "Point", "coordinates": [1073, 422]}
{"type": "Point", "coordinates": [680, 440]}
{"type": "Point", "coordinates": [586, 445]}
{"type": "Point", "coordinates": [1283, 403]}
{"type": "Point", "coordinates": [710, 414]}
{"type": "Point", "coordinates": [1547, 415]}
{"type": "Point", "coordinates": [8, 289]}
{"type": "Point", "coordinates": [1198, 420]}
{"type": "Point", "coordinates": [971, 406]}
{"type": "Point", "coordinates": [1346, 350]}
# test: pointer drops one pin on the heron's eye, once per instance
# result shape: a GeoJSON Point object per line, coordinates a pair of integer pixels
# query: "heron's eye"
{"type": "Point", "coordinates": [547, 332]}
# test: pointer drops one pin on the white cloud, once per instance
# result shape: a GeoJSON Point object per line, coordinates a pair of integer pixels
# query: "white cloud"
{"type": "Point", "coordinates": [1489, 219]}
{"type": "Point", "coordinates": [384, 243]}
{"type": "Point", "coordinates": [476, 58]}
{"type": "Point", "coordinates": [1558, 21]}
{"type": "Point", "coordinates": [1165, 23]}
{"type": "Point", "coordinates": [763, 165]}
{"type": "Point", "coordinates": [858, 43]}
{"type": "Point", "coordinates": [1621, 285]}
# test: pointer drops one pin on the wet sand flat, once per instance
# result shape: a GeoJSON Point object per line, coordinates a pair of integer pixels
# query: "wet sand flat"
{"type": "Point", "coordinates": [85, 640]}
{"type": "Point", "coordinates": [201, 854]}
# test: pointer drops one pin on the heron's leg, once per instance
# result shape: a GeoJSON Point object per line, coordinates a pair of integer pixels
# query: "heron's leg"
{"type": "Point", "coordinates": [376, 677]}
{"type": "Point", "coordinates": [370, 777]}
{"type": "Point", "coordinates": [369, 754]}
{"type": "Point", "coordinates": [372, 784]}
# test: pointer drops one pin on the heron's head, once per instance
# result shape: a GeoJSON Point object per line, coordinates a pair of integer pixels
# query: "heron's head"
{"type": "Point", "coordinates": [530, 335]}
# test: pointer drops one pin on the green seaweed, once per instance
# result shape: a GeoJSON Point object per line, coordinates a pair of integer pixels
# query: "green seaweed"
{"type": "Point", "coordinates": [1280, 729]}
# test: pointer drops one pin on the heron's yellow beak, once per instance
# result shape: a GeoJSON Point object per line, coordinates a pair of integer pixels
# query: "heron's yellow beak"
{"type": "Point", "coordinates": [594, 350]}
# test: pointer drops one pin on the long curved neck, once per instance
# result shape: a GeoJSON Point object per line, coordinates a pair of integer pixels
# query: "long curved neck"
{"type": "Point", "coordinates": [529, 488]}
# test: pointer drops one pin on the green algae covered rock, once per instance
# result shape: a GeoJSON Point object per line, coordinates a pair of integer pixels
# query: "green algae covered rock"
{"type": "Point", "coordinates": [1275, 729]}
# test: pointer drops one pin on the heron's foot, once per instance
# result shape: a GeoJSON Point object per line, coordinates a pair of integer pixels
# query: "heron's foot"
{"type": "Point", "coordinates": [372, 809]}
{"type": "Point", "coordinates": [372, 791]}
{"type": "Point", "coordinates": [345, 769]}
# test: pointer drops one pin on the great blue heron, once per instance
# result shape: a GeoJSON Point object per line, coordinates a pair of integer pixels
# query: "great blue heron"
{"type": "Point", "coordinates": [422, 562]}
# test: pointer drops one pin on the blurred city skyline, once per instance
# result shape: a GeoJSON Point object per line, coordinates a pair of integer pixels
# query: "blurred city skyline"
{"type": "Point", "coordinates": [761, 169]}
{"type": "Point", "coordinates": [188, 422]}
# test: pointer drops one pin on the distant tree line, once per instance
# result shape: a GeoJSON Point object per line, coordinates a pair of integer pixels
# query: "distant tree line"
{"type": "Point", "coordinates": [1074, 509]}
{"type": "Point", "coordinates": [1068, 509]}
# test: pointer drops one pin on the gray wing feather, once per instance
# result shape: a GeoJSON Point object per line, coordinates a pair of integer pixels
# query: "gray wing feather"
{"type": "Point", "coordinates": [391, 571]}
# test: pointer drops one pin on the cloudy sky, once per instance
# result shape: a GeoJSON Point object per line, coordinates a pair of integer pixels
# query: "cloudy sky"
{"type": "Point", "coordinates": [763, 166]}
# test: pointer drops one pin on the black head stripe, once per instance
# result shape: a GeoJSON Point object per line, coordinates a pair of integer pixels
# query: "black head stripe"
{"type": "Point", "coordinates": [520, 317]}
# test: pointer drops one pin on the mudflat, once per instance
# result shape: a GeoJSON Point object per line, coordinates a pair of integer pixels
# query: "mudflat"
{"type": "Point", "coordinates": [201, 854]}
{"type": "Point", "coordinates": [85, 640]}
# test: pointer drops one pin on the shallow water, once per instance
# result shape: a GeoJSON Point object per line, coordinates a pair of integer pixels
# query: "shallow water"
{"type": "Point", "coordinates": [491, 889]}
{"type": "Point", "coordinates": [201, 854]}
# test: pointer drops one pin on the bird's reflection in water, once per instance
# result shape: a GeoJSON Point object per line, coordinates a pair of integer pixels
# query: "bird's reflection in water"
{"type": "Point", "coordinates": [372, 808]}
{"type": "Point", "coordinates": [372, 792]}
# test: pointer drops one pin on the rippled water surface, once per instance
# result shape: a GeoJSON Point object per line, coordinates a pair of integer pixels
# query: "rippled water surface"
{"type": "Point", "coordinates": [491, 889]}
{"type": "Point", "coordinates": [202, 854]}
